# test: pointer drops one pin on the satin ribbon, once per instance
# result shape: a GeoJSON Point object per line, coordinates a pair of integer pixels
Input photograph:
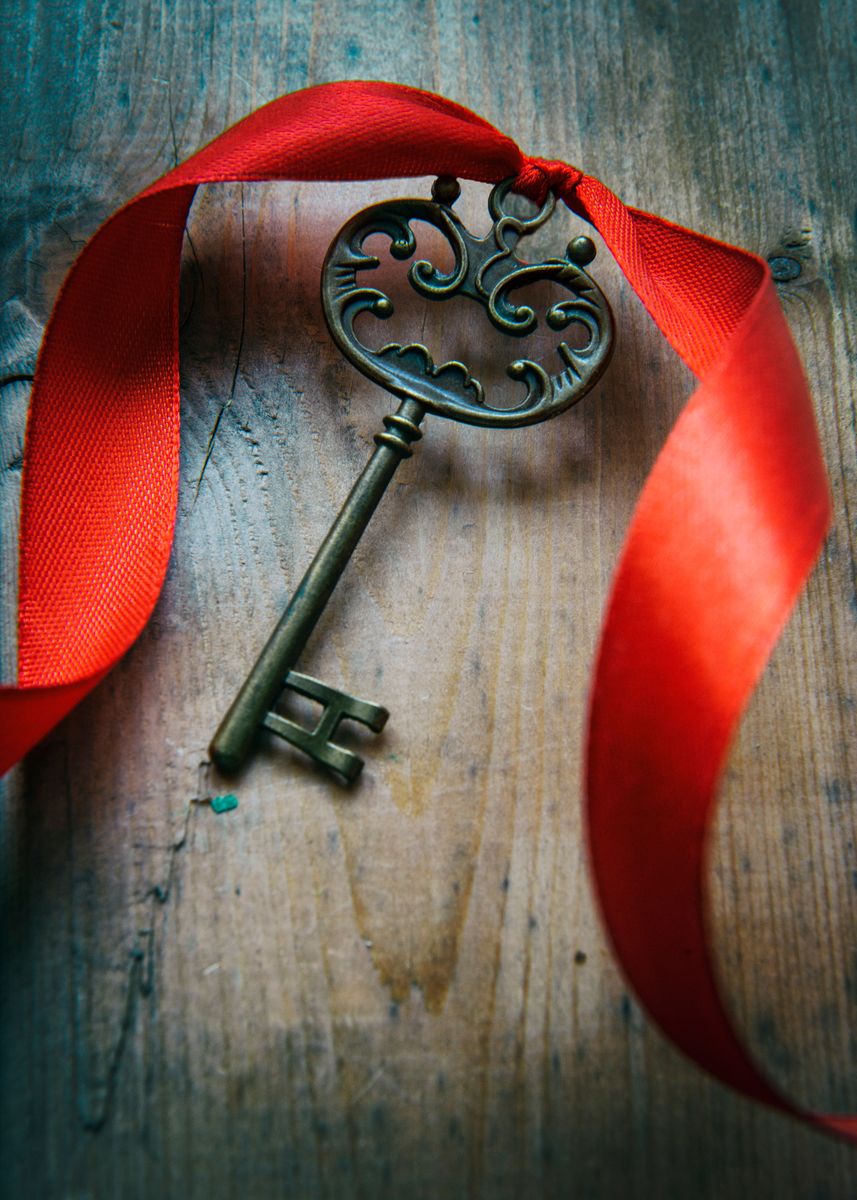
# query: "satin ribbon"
{"type": "Point", "coordinates": [725, 533]}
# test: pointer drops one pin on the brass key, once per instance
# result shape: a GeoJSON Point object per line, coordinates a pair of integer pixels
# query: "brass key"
{"type": "Point", "coordinates": [485, 270]}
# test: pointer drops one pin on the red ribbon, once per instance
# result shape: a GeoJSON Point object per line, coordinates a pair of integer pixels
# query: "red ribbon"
{"type": "Point", "coordinates": [725, 533]}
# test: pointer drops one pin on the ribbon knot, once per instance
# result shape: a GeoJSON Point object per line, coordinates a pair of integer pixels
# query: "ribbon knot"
{"type": "Point", "coordinates": [538, 176]}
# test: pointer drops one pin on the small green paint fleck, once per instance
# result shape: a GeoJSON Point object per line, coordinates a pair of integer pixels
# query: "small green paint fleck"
{"type": "Point", "coordinates": [393, 757]}
{"type": "Point", "coordinates": [222, 804]}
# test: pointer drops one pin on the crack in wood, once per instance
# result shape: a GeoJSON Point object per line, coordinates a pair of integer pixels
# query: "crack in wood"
{"type": "Point", "coordinates": [229, 401]}
{"type": "Point", "coordinates": [141, 974]}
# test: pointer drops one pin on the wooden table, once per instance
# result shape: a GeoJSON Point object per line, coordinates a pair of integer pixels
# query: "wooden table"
{"type": "Point", "coordinates": [404, 991]}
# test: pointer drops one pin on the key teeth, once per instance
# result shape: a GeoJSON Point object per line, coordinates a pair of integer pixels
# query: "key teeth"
{"type": "Point", "coordinates": [317, 743]}
{"type": "Point", "coordinates": [350, 765]}
{"type": "Point", "coordinates": [376, 721]}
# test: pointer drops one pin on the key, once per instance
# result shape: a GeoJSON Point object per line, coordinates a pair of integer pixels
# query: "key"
{"type": "Point", "coordinates": [488, 271]}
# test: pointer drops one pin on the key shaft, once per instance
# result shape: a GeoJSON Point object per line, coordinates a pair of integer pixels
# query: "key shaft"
{"type": "Point", "coordinates": [238, 730]}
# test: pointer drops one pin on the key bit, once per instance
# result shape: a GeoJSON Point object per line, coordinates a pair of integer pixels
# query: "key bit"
{"type": "Point", "coordinates": [336, 707]}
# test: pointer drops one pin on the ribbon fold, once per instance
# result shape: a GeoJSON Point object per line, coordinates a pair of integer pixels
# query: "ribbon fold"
{"type": "Point", "coordinates": [726, 531]}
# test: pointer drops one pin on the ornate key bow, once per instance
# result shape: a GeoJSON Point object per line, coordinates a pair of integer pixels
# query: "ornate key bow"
{"type": "Point", "coordinates": [488, 271]}
{"type": "Point", "coordinates": [485, 270]}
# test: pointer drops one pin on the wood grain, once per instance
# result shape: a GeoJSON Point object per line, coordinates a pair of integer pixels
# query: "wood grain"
{"type": "Point", "coordinates": [404, 990]}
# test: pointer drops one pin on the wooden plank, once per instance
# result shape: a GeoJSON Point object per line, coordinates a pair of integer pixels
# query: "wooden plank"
{"type": "Point", "coordinates": [405, 991]}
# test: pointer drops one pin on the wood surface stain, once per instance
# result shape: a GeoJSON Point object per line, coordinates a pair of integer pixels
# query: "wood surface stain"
{"type": "Point", "coordinates": [426, 926]}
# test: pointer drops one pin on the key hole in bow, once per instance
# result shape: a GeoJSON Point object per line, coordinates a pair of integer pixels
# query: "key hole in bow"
{"type": "Point", "coordinates": [459, 328]}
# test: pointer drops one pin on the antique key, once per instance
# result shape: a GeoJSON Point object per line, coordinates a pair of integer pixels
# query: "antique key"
{"type": "Point", "coordinates": [487, 271]}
